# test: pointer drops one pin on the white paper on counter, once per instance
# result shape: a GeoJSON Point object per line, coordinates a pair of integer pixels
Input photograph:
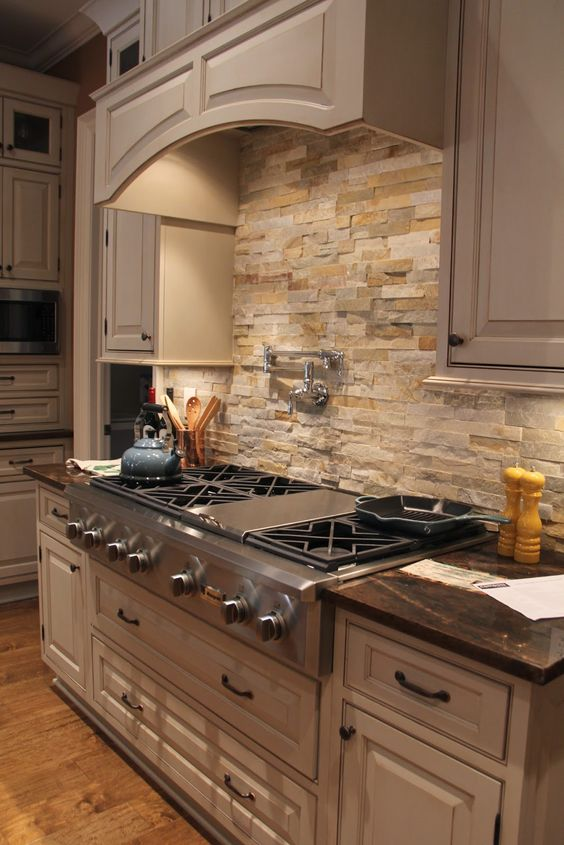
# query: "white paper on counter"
{"type": "Point", "coordinates": [535, 598]}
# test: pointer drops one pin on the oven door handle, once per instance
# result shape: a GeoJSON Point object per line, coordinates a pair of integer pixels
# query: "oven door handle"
{"type": "Point", "coordinates": [247, 693]}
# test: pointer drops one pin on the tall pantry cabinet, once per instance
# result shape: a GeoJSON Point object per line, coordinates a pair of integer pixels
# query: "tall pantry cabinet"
{"type": "Point", "coordinates": [37, 129]}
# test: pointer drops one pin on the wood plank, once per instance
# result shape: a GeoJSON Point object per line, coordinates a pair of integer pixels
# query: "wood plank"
{"type": "Point", "coordinates": [62, 782]}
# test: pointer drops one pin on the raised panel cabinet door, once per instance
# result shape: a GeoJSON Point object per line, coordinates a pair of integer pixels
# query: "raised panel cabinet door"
{"type": "Point", "coordinates": [166, 22]}
{"type": "Point", "coordinates": [508, 169]}
{"type": "Point", "coordinates": [31, 132]}
{"type": "Point", "coordinates": [130, 281]}
{"type": "Point", "coordinates": [396, 789]}
{"type": "Point", "coordinates": [62, 605]}
{"type": "Point", "coordinates": [124, 48]}
{"type": "Point", "coordinates": [30, 231]}
{"type": "Point", "coordinates": [18, 551]}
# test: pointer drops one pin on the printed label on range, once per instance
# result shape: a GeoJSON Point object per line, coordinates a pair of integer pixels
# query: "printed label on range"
{"type": "Point", "coordinates": [213, 595]}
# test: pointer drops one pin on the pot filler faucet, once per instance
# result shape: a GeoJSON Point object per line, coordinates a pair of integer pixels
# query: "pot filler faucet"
{"type": "Point", "coordinates": [317, 391]}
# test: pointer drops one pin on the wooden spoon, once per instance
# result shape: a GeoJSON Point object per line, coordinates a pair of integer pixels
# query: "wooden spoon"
{"type": "Point", "coordinates": [209, 413]}
{"type": "Point", "coordinates": [172, 412]}
{"type": "Point", "coordinates": [193, 408]}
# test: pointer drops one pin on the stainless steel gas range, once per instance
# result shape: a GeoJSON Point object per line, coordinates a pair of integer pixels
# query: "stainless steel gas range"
{"type": "Point", "coordinates": [244, 550]}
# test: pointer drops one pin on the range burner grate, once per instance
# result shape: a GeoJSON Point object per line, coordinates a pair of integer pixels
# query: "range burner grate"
{"type": "Point", "coordinates": [216, 484]}
{"type": "Point", "coordinates": [329, 544]}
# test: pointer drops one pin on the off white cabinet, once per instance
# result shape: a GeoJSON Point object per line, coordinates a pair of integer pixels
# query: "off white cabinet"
{"type": "Point", "coordinates": [18, 552]}
{"type": "Point", "coordinates": [165, 22]}
{"type": "Point", "coordinates": [31, 132]}
{"type": "Point", "coordinates": [123, 48]}
{"type": "Point", "coordinates": [502, 309]}
{"type": "Point", "coordinates": [130, 282]}
{"type": "Point", "coordinates": [62, 579]}
{"type": "Point", "coordinates": [397, 789]}
{"type": "Point", "coordinates": [29, 251]}
{"type": "Point", "coordinates": [434, 748]}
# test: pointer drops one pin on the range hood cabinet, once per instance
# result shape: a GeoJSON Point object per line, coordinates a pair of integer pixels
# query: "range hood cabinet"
{"type": "Point", "coordinates": [319, 64]}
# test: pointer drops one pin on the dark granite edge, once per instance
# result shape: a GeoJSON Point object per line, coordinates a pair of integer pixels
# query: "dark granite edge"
{"type": "Point", "coordinates": [522, 669]}
{"type": "Point", "coordinates": [44, 434]}
{"type": "Point", "coordinates": [55, 475]}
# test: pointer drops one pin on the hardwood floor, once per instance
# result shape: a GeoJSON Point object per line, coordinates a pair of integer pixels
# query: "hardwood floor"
{"type": "Point", "coordinates": [61, 783]}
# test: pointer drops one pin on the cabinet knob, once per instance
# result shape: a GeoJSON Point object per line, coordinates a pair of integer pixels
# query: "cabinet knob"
{"type": "Point", "coordinates": [346, 733]}
{"type": "Point", "coordinates": [9, 268]}
{"type": "Point", "coordinates": [455, 340]}
{"type": "Point", "coordinates": [9, 147]}
{"type": "Point", "coordinates": [145, 336]}
{"type": "Point", "coordinates": [74, 568]}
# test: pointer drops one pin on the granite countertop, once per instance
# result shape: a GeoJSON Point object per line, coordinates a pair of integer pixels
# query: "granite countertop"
{"type": "Point", "coordinates": [56, 475]}
{"type": "Point", "coordinates": [464, 621]}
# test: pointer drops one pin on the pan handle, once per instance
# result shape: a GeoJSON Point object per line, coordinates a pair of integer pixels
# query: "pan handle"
{"type": "Point", "coordinates": [484, 517]}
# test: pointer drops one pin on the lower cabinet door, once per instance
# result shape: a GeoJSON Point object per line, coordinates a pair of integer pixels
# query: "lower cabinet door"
{"type": "Point", "coordinates": [253, 801]}
{"type": "Point", "coordinates": [396, 789]}
{"type": "Point", "coordinates": [62, 605]}
{"type": "Point", "coordinates": [18, 550]}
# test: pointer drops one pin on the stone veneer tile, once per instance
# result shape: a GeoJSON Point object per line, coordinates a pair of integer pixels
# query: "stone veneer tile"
{"type": "Point", "coordinates": [338, 246]}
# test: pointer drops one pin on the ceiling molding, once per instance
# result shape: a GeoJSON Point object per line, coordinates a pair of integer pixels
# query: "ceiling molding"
{"type": "Point", "coordinates": [68, 37]}
{"type": "Point", "coordinates": [109, 13]}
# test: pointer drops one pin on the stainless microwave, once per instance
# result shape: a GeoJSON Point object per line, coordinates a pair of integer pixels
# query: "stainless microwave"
{"type": "Point", "coordinates": [29, 322]}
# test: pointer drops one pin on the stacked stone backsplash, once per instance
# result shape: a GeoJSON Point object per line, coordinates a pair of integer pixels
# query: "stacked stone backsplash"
{"type": "Point", "coordinates": [338, 247]}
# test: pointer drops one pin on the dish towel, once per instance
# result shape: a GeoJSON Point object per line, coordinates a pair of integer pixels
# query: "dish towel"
{"type": "Point", "coordinates": [94, 467]}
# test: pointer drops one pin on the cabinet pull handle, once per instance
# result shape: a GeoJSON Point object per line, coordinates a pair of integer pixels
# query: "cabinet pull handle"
{"type": "Point", "coordinates": [131, 706]}
{"type": "Point", "coordinates": [7, 378]}
{"type": "Point", "coordinates": [73, 567]}
{"type": "Point", "coordinates": [346, 733]}
{"type": "Point", "coordinates": [145, 336]}
{"type": "Point", "coordinates": [121, 615]}
{"type": "Point", "coordinates": [455, 340]}
{"type": "Point", "coordinates": [246, 693]}
{"type": "Point", "coordinates": [441, 694]}
{"type": "Point", "coordinates": [20, 462]}
{"type": "Point", "coordinates": [56, 512]}
{"type": "Point", "coordinates": [8, 411]}
{"type": "Point", "coordinates": [249, 796]}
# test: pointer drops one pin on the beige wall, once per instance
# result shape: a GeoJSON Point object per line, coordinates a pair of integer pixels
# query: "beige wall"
{"type": "Point", "coordinates": [338, 247]}
{"type": "Point", "coordinates": [87, 66]}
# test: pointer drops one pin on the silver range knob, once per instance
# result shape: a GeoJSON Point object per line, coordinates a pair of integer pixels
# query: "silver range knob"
{"type": "Point", "coordinates": [138, 561]}
{"type": "Point", "coordinates": [116, 551]}
{"type": "Point", "coordinates": [183, 583]}
{"type": "Point", "coordinates": [235, 610]}
{"type": "Point", "coordinates": [74, 530]}
{"type": "Point", "coordinates": [91, 539]}
{"type": "Point", "coordinates": [272, 626]}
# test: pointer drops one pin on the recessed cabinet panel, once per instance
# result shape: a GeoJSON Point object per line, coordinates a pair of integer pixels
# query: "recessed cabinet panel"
{"type": "Point", "coordinates": [124, 48]}
{"type": "Point", "coordinates": [32, 132]}
{"type": "Point", "coordinates": [397, 789]}
{"type": "Point", "coordinates": [25, 378]}
{"type": "Point", "coordinates": [508, 169]}
{"type": "Point", "coordinates": [13, 460]}
{"type": "Point", "coordinates": [130, 281]}
{"type": "Point", "coordinates": [62, 598]}
{"type": "Point", "coordinates": [30, 248]}
{"type": "Point", "coordinates": [18, 551]}
{"type": "Point", "coordinates": [166, 22]}
{"type": "Point", "coordinates": [18, 413]}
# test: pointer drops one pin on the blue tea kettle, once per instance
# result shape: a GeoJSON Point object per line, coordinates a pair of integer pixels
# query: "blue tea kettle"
{"type": "Point", "coordinates": [151, 460]}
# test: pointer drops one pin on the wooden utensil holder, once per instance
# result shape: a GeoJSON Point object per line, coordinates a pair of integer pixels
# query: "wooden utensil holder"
{"type": "Point", "coordinates": [193, 444]}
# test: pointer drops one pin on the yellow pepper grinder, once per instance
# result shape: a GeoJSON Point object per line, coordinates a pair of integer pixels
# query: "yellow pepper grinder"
{"type": "Point", "coordinates": [529, 525]}
{"type": "Point", "coordinates": [506, 538]}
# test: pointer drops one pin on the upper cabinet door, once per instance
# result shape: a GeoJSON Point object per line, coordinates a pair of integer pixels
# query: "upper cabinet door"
{"type": "Point", "coordinates": [503, 206]}
{"type": "Point", "coordinates": [130, 281]}
{"type": "Point", "coordinates": [30, 248]}
{"type": "Point", "coordinates": [32, 132]}
{"type": "Point", "coordinates": [165, 22]}
{"type": "Point", "coordinates": [124, 48]}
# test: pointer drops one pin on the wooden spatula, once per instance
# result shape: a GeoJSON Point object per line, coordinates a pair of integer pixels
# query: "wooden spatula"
{"type": "Point", "coordinates": [172, 412]}
{"type": "Point", "coordinates": [208, 413]}
{"type": "Point", "coordinates": [193, 408]}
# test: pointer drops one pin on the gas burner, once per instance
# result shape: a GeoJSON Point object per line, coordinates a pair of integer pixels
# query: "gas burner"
{"type": "Point", "coordinates": [329, 544]}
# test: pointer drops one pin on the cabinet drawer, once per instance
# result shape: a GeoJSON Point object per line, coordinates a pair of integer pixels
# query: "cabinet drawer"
{"type": "Point", "coordinates": [200, 758]}
{"type": "Point", "coordinates": [28, 378]}
{"type": "Point", "coordinates": [275, 706]}
{"type": "Point", "coordinates": [53, 510]}
{"type": "Point", "coordinates": [476, 708]}
{"type": "Point", "coordinates": [34, 411]}
{"type": "Point", "coordinates": [13, 461]}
